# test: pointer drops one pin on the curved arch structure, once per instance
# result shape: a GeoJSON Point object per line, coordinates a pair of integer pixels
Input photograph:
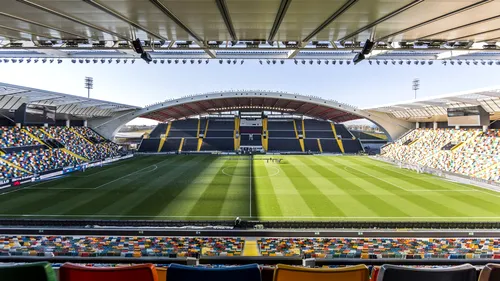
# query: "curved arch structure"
{"type": "Point", "coordinates": [248, 100]}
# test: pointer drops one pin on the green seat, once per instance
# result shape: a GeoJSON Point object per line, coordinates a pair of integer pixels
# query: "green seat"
{"type": "Point", "coordinates": [37, 271]}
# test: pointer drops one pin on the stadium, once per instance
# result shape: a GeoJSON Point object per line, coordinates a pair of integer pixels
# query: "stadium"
{"type": "Point", "coordinates": [250, 184]}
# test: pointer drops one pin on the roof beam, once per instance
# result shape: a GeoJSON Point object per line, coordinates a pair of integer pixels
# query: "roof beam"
{"type": "Point", "coordinates": [279, 19]}
{"type": "Point", "coordinates": [463, 100]}
{"type": "Point", "coordinates": [382, 19]}
{"type": "Point", "coordinates": [191, 109]}
{"type": "Point", "coordinates": [23, 31]}
{"type": "Point", "coordinates": [226, 16]}
{"type": "Point", "coordinates": [42, 25]}
{"type": "Point", "coordinates": [491, 94]}
{"type": "Point", "coordinates": [475, 34]}
{"type": "Point", "coordinates": [179, 23]}
{"type": "Point", "coordinates": [312, 108]}
{"type": "Point", "coordinates": [460, 27]}
{"type": "Point", "coordinates": [452, 13]}
{"type": "Point", "coordinates": [329, 20]}
{"type": "Point", "coordinates": [117, 15]}
{"type": "Point", "coordinates": [68, 17]}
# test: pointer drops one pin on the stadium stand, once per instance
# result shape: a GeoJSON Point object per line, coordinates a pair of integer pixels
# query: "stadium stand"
{"type": "Point", "coordinates": [15, 137]}
{"type": "Point", "coordinates": [380, 248]}
{"type": "Point", "coordinates": [491, 272]}
{"type": "Point", "coordinates": [468, 152]}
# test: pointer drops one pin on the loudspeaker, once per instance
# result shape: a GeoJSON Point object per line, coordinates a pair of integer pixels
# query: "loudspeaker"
{"type": "Point", "coordinates": [367, 48]}
{"type": "Point", "coordinates": [138, 46]}
{"type": "Point", "coordinates": [147, 57]}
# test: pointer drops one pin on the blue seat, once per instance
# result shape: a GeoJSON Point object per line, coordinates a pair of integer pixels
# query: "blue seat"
{"type": "Point", "coordinates": [177, 272]}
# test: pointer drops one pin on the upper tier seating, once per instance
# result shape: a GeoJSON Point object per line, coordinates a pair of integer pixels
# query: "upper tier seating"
{"type": "Point", "coordinates": [159, 130]}
{"type": "Point", "coordinates": [472, 153]}
{"type": "Point", "coordinates": [150, 145]}
{"type": "Point", "coordinates": [74, 272]}
{"type": "Point", "coordinates": [177, 272]}
{"type": "Point", "coordinates": [118, 246]}
{"type": "Point", "coordinates": [89, 134]}
{"type": "Point", "coordinates": [14, 136]}
{"type": "Point", "coordinates": [37, 271]}
{"type": "Point", "coordinates": [294, 273]}
{"type": "Point", "coordinates": [464, 272]}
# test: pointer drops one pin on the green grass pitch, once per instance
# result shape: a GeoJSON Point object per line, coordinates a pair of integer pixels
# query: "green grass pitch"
{"type": "Point", "coordinates": [207, 187]}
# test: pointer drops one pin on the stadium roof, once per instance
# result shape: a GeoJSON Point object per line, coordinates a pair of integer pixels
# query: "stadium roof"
{"type": "Point", "coordinates": [251, 29]}
{"type": "Point", "coordinates": [13, 96]}
{"type": "Point", "coordinates": [434, 108]}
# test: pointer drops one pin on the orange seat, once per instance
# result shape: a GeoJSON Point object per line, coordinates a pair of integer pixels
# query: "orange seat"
{"type": "Point", "coordinates": [162, 273]}
{"type": "Point", "coordinates": [292, 273]}
{"type": "Point", "coordinates": [73, 272]}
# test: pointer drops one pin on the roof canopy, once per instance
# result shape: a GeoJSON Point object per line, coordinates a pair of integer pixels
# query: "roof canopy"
{"type": "Point", "coordinates": [435, 108]}
{"type": "Point", "coordinates": [13, 96]}
{"type": "Point", "coordinates": [274, 29]}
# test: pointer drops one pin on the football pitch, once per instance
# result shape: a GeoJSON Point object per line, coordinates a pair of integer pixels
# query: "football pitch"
{"type": "Point", "coordinates": [209, 187]}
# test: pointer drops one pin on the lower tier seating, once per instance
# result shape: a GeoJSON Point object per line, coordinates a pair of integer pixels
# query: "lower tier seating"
{"type": "Point", "coordinates": [291, 144]}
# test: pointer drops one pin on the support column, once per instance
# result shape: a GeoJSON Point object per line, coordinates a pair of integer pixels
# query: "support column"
{"type": "Point", "coordinates": [485, 128]}
{"type": "Point", "coordinates": [457, 127]}
{"type": "Point", "coordinates": [68, 123]}
{"type": "Point", "coordinates": [417, 125]}
{"type": "Point", "coordinates": [435, 125]}
{"type": "Point", "coordinates": [84, 123]}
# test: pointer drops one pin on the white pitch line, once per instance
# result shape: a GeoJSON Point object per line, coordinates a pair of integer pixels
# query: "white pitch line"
{"type": "Point", "coordinates": [250, 185]}
{"type": "Point", "coordinates": [155, 167]}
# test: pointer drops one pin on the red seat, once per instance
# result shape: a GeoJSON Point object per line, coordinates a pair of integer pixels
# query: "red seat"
{"type": "Point", "coordinates": [73, 272]}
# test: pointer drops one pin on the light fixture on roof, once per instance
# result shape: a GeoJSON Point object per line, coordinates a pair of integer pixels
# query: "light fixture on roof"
{"type": "Point", "coordinates": [200, 61]}
{"type": "Point", "coordinates": [474, 62]}
{"type": "Point", "coordinates": [184, 61]}
{"type": "Point", "coordinates": [430, 62]}
{"type": "Point", "coordinates": [268, 61]}
{"type": "Point", "coordinates": [162, 61]}
{"type": "Point", "coordinates": [13, 60]}
{"type": "Point", "coordinates": [274, 61]}
{"type": "Point", "coordinates": [341, 62]}
{"type": "Point", "coordinates": [176, 61]}
{"type": "Point", "coordinates": [467, 62]}
{"type": "Point", "coordinates": [118, 60]}
{"type": "Point", "coordinates": [228, 61]}
{"type": "Point", "coordinates": [415, 62]}
{"type": "Point", "coordinates": [59, 61]}
{"type": "Point", "coordinates": [242, 62]}
{"type": "Point", "coordinates": [87, 60]}
{"type": "Point", "coordinates": [490, 62]}
{"type": "Point", "coordinates": [132, 61]}
{"type": "Point", "coordinates": [483, 62]}
{"type": "Point", "coordinates": [422, 62]}
{"type": "Point", "coordinates": [6, 60]}
{"type": "Point", "coordinates": [401, 62]}
{"type": "Point", "coordinates": [303, 62]}
{"type": "Point", "coordinates": [192, 61]}
{"type": "Point", "coordinates": [103, 60]}
{"type": "Point", "coordinates": [282, 61]}
{"type": "Point", "coordinates": [327, 62]}
{"type": "Point", "coordinates": [311, 62]}
{"type": "Point", "coordinates": [206, 61]}
{"type": "Point", "coordinates": [80, 60]}
{"type": "Point", "coordinates": [110, 61]}
{"type": "Point", "coordinates": [386, 62]}
{"type": "Point", "coordinates": [318, 62]}
{"type": "Point", "coordinates": [444, 63]}
{"type": "Point", "coordinates": [234, 61]}
{"type": "Point", "coordinates": [125, 61]}
{"type": "Point", "coordinates": [498, 62]}
{"type": "Point", "coordinates": [21, 60]}
{"type": "Point", "coordinates": [459, 62]}
{"type": "Point", "coordinates": [260, 61]}
{"type": "Point", "coordinates": [221, 61]}
{"type": "Point", "coordinates": [348, 62]}
{"type": "Point", "coordinates": [28, 60]}
{"type": "Point", "coordinates": [370, 62]}
{"type": "Point", "coordinates": [334, 62]}
{"type": "Point", "coordinates": [35, 60]}
{"type": "Point", "coordinates": [393, 62]}
{"type": "Point", "coordinates": [408, 62]}
{"type": "Point", "coordinates": [95, 60]}
{"type": "Point", "coordinates": [44, 60]}
{"type": "Point", "coordinates": [378, 62]}
{"type": "Point", "coordinates": [452, 62]}
{"type": "Point", "coordinates": [73, 61]}
{"type": "Point", "coordinates": [295, 61]}
{"type": "Point", "coordinates": [169, 61]}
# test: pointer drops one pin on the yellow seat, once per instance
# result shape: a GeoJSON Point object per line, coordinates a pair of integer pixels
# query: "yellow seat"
{"type": "Point", "coordinates": [293, 273]}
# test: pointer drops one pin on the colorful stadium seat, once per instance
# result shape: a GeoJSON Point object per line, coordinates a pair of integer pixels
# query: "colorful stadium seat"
{"type": "Point", "coordinates": [37, 271]}
{"type": "Point", "coordinates": [491, 272]}
{"type": "Point", "coordinates": [293, 273]}
{"type": "Point", "coordinates": [177, 272]}
{"type": "Point", "coordinates": [464, 272]}
{"type": "Point", "coordinates": [73, 272]}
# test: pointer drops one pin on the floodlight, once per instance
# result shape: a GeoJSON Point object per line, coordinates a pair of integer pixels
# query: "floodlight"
{"type": "Point", "coordinates": [341, 62]}
{"type": "Point", "coordinates": [118, 60]}
{"type": "Point", "coordinates": [184, 61]}
{"type": "Point", "coordinates": [28, 60]}
{"type": "Point", "coordinates": [110, 61]}
{"type": "Point", "coordinates": [95, 60]}
{"type": "Point", "coordinates": [169, 61]}
{"type": "Point", "coordinates": [327, 62]}
{"type": "Point", "coordinates": [192, 61]}
{"type": "Point", "coordinates": [80, 60]}
{"type": "Point", "coordinates": [103, 60]}
{"type": "Point", "coordinates": [295, 61]}
{"type": "Point", "coordinates": [73, 61]}
{"type": "Point", "coordinates": [162, 61]}
{"type": "Point", "coordinates": [44, 60]}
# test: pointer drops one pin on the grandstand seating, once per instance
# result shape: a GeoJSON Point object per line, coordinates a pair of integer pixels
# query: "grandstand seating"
{"type": "Point", "coordinates": [37, 271]}
{"type": "Point", "coordinates": [118, 246]}
{"type": "Point", "coordinates": [40, 160]}
{"type": "Point", "coordinates": [468, 152]}
{"type": "Point", "coordinates": [464, 272]}
{"type": "Point", "coordinates": [150, 145]}
{"type": "Point", "coordinates": [380, 247]}
{"type": "Point", "coordinates": [282, 135]}
{"type": "Point", "coordinates": [73, 272]}
{"type": "Point", "coordinates": [177, 272]}
{"type": "Point", "coordinates": [14, 136]}
{"type": "Point", "coordinates": [294, 273]}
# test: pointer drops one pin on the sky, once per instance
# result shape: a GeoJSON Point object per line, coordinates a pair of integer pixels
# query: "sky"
{"type": "Point", "coordinates": [141, 84]}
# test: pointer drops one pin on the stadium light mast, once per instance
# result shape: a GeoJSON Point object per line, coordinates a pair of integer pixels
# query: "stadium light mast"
{"type": "Point", "coordinates": [416, 86]}
{"type": "Point", "coordinates": [89, 85]}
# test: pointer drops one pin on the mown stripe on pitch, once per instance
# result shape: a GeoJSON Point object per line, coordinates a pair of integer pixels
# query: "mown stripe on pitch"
{"type": "Point", "coordinates": [422, 201]}
{"type": "Point", "coordinates": [237, 198]}
{"type": "Point", "coordinates": [209, 203]}
{"type": "Point", "coordinates": [314, 198]}
{"type": "Point", "coordinates": [162, 195]}
{"type": "Point", "coordinates": [355, 192]}
{"type": "Point", "coordinates": [463, 198]}
{"type": "Point", "coordinates": [265, 195]}
{"type": "Point", "coordinates": [374, 202]}
{"type": "Point", "coordinates": [99, 199]}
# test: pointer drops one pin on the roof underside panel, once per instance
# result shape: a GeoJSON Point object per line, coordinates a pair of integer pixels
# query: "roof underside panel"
{"type": "Point", "coordinates": [250, 104]}
{"type": "Point", "coordinates": [253, 19]}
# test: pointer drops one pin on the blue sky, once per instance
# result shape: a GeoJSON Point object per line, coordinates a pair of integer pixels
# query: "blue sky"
{"type": "Point", "coordinates": [141, 84]}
